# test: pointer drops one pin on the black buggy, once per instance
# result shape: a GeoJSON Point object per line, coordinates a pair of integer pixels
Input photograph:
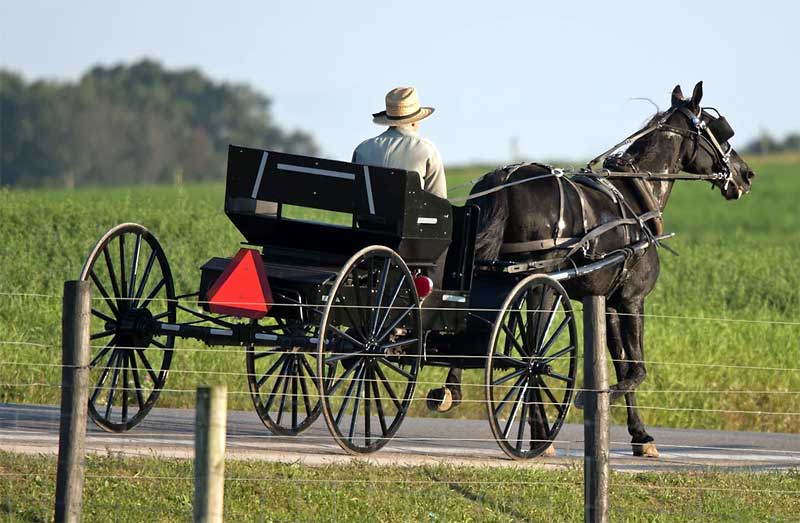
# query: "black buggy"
{"type": "Point", "coordinates": [347, 331]}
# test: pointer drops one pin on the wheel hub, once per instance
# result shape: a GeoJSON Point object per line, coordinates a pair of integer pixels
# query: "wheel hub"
{"type": "Point", "coordinates": [135, 329]}
{"type": "Point", "coordinates": [371, 346]}
{"type": "Point", "coordinates": [535, 367]}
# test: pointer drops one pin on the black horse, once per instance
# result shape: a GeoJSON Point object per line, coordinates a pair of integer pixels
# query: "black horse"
{"type": "Point", "coordinates": [546, 207]}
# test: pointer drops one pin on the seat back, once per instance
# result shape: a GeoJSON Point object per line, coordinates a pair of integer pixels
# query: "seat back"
{"type": "Point", "coordinates": [350, 205]}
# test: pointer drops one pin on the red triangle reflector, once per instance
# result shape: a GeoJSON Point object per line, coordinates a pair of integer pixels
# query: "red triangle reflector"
{"type": "Point", "coordinates": [242, 290]}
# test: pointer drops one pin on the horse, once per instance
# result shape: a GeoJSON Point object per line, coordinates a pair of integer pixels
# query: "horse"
{"type": "Point", "coordinates": [546, 208]}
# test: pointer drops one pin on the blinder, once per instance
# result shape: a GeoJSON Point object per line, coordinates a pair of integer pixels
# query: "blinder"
{"type": "Point", "coordinates": [721, 129]}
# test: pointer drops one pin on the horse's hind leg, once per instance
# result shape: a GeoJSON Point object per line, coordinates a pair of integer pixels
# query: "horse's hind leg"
{"type": "Point", "coordinates": [642, 441]}
{"type": "Point", "coordinates": [445, 398]}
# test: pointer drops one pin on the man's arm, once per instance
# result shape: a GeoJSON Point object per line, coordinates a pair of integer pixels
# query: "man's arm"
{"type": "Point", "coordinates": [435, 181]}
{"type": "Point", "coordinates": [358, 157]}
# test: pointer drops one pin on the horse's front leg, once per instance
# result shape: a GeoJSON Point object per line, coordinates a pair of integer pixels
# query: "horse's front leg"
{"type": "Point", "coordinates": [643, 443]}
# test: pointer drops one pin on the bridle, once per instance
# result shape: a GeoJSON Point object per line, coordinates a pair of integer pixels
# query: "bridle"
{"type": "Point", "coordinates": [709, 135]}
{"type": "Point", "coordinates": [712, 134]}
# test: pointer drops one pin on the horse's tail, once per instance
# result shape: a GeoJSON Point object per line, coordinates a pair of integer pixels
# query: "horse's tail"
{"type": "Point", "coordinates": [493, 216]}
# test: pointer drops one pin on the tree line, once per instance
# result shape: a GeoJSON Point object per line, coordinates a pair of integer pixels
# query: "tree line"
{"type": "Point", "coordinates": [129, 124]}
{"type": "Point", "coordinates": [768, 144]}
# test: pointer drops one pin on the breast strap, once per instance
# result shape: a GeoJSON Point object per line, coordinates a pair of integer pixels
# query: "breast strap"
{"type": "Point", "coordinates": [575, 243]}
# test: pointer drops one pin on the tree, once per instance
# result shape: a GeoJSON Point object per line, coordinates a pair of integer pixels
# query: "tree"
{"type": "Point", "coordinates": [767, 144]}
{"type": "Point", "coordinates": [127, 124]}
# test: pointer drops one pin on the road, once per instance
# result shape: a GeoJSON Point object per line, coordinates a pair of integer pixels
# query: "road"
{"type": "Point", "coordinates": [33, 429]}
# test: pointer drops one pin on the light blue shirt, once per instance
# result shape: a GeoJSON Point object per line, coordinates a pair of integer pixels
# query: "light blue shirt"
{"type": "Point", "coordinates": [402, 148]}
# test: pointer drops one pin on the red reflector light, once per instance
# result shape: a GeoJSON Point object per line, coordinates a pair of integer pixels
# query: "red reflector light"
{"type": "Point", "coordinates": [424, 285]}
{"type": "Point", "coordinates": [242, 290]}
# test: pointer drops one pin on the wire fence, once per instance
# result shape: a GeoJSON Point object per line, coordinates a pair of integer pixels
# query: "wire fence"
{"type": "Point", "coordinates": [432, 449]}
{"type": "Point", "coordinates": [320, 306]}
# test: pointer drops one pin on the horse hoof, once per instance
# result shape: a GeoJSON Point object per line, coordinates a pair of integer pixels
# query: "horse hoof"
{"type": "Point", "coordinates": [440, 400]}
{"type": "Point", "coordinates": [549, 452]}
{"type": "Point", "coordinates": [645, 450]}
{"type": "Point", "coordinates": [579, 400]}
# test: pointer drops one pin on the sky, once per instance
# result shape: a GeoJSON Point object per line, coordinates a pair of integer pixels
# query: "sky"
{"type": "Point", "coordinates": [558, 78]}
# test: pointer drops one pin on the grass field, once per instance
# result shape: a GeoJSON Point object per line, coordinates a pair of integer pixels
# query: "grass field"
{"type": "Point", "coordinates": [737, 261]}
{"type": "Point", "coordinates": [160, 490]}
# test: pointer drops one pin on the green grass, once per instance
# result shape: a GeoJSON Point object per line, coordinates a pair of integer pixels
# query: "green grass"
{"type": "Point", "coordinates": [161, 490]}
{"type": "Point", "coordinates": [737, 261]}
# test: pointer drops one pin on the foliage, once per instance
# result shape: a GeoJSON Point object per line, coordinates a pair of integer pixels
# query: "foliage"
{"type": "Point", "coordinates": [129, 124]}
{"type": "Point", "coordinates": [768, 144]}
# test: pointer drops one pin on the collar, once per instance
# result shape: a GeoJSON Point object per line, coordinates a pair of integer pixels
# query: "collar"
{"type": "Point", "coordinates": [405, 130]}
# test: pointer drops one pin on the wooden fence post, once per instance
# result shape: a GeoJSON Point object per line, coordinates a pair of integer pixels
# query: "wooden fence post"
{"type": "Point", "coordinates": [209, 453]}
{"type": "Point", "coordinates": [595, 414]}
{"type": "Point", "coordinates": [75, 323]}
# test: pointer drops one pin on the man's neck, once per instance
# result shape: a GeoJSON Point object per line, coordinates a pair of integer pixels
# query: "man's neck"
{"type": "Point", "coordinates": [409, 130]}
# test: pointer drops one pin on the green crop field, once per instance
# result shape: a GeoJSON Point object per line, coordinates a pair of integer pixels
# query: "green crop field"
{"type": "Point", "coordinates": [729, 302]}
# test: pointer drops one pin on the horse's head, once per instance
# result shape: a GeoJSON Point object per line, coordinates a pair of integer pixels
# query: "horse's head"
{"type": "Point", "coordinates": [708, 150]}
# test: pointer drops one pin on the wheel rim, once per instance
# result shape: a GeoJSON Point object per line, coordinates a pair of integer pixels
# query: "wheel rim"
{"type": "Point", "coordinates": [531, 367]}
{"type": "Point", "coordinates": [132, 287]}
{"type": "Point", "coordinates": [368, 357]}
{"type": "Point", "coordinates": [283, 383]}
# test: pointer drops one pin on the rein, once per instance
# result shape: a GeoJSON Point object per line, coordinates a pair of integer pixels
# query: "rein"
{"type": "Point", "coordinates": [701, 131]}
{"type": "Point", "coordinates": [604, 173]}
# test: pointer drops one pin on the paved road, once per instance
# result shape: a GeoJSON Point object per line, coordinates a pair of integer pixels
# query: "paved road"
{"type": "Point", "coordinates": [169, 432]}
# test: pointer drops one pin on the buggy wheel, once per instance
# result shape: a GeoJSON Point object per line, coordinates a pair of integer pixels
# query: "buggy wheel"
{"type": "Point", "coordinates": [283, 383]}
{"type": "Point", "coordinates": [531, 366]}
{"type": "Point", "coordinates": [132, 288]}
{"type": "Point", "coordinates": [369, 349]}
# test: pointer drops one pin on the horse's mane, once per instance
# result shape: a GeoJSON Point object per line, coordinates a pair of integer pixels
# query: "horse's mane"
{"type": "Point", "coordinates": [641, 147]}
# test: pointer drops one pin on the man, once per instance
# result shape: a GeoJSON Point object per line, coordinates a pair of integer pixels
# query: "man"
{"type": "Point", "coordinates": [400, 146]}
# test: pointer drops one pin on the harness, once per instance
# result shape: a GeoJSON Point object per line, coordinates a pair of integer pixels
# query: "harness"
{"type": "Point", "coordinates": [709, 136]}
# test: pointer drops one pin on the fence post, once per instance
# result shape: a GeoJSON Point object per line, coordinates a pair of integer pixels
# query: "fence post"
{"type": "Point", "coordinates": [209, 453]}
{"type": "Point", "coordinates": [595, 414]}
{"type": "Point", "coordinates": [75, 322]}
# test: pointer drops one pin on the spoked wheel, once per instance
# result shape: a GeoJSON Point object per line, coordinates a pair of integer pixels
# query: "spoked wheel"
{"type": "Point", "coordinates": [283, 382]}
{"type": "Point", "coordinates": [132, 288]}
{"type": "Point", "coordinates": [369, 349]}
{"type": "Point", "coordinates": [531, 366]}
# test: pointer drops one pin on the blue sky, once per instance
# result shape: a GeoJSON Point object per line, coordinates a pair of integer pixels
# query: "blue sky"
{"type": "Point", "coordinates": [558, 76]}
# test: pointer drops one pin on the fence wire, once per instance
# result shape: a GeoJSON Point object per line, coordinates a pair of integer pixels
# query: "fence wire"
{"type": "Point", "coordinates": [243, 440]}
{"type": "Point", "coordinates": [320, 306]}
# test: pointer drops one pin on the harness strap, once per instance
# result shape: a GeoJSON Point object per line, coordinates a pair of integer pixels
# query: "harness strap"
{"type": "Point", "coordinates": [537, 245]}
{"type": "Point", "coordinates": [650, 205]}
{"type": "Point", "coordinates": [575, 243]}
{"type": "Point", "coordinates": [582, 202]}
{"type": "Point", "coordinates": [501, 187]}
{"type": "Point", "coordinates": [617, 198]}
{"type": "Point", "coordinates": [642, 193]}
{"type": "Point", "coordinates": [608, 226]}
{"type": "Point", "coordinates": [629, 140]}
{"type": "Point", "coordinates": [560, 222]}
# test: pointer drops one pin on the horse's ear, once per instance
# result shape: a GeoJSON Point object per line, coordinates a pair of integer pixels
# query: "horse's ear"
{"type": "Point", "coordinates": [677, 96]}
{"type": "Point", "coordinates": [697, 95]}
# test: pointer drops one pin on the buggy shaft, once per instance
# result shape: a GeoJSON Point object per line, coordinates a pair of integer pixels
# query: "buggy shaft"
{"type": "Point", "coordinates": [243, 335]}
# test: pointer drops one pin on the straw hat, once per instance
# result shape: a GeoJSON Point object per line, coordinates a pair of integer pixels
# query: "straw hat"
{"type": "Point", "coordinates": [402, 107]}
